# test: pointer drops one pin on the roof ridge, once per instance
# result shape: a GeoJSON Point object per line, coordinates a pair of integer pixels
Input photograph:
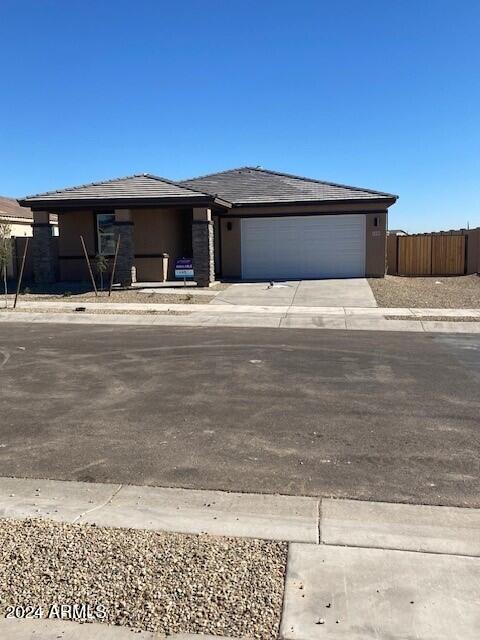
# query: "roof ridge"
{"type": "Point", "coordinates": [331, 184]}
{"type": "Point", "coordinates": [215, 173]}
{"type": "Point", "coordinates": [176, 184]}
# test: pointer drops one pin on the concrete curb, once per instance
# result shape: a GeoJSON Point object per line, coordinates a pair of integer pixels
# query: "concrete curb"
{"type": "Point", "coordinates": [354, 523]}
{"type": "Point", "coordinates": [271, 517]}
{"type": "Point", "coordinates": [402, 527]}
{"type": "Point", "coordinates": [265, 319]}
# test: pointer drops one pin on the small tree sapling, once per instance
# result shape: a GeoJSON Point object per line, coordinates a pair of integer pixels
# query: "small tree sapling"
{"type": "Point", "coordinates": [5, 252]}
{"type": "Point", "coordinates": [101, 266]}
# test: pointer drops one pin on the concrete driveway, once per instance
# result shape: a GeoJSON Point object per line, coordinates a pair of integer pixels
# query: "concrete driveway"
{"type": "Point", "coordinates": [385, 416]}
{"type": "Point", "coordinates": [350, 292]}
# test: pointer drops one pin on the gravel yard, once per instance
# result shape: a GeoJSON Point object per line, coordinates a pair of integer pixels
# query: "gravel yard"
{"type": "Point", "coordinates": [454, 292]}
{"type": "Point", "coordinates": [146, 580]}
{"type": "Point", "coordinates": [147, 312]}
{"type": "Point", "coordinates": [435, 318]}
{"type": "Point", "coordinates": [119, 296]}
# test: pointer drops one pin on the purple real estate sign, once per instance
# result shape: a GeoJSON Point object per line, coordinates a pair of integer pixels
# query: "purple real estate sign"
{"type": "Point", "coordinates": [184, 268]}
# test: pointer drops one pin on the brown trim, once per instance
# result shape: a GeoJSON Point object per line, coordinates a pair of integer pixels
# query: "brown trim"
{"type": "Point", "coordinates": [202, 222]}
{"type": "Point", "coordinates": [140, 256]}
{"type": "Point", "coordinates": [289, 203]}
{"type": "Point", "coordinates": [126, 203]}
{"type": "Point", "coordinates": [299, 214]}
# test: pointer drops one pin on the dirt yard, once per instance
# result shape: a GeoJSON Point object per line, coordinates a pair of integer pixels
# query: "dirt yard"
{"type": "Point", "coordinates": [454, 292]}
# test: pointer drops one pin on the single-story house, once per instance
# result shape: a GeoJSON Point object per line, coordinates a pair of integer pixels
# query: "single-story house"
{"type": "Point", "coordinates": [246, 224]}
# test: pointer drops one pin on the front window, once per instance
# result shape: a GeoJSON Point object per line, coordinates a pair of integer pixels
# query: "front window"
{"type": "Point", "coordinates": [106, 233]}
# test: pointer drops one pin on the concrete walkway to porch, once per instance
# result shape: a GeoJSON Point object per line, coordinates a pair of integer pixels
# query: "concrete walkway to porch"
{"type": "Point", "coordinates": [347, 292]}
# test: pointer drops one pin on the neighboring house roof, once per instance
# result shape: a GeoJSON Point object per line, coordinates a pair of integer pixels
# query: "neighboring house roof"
{"type": "Point", "coordinates": [253, 185]}
{"type": "Point", "coordinates": [140, 187]}
{"type": "Point", "coordinates": [10, 210]}
{"type": "Point", "coordinates": [397, 232]}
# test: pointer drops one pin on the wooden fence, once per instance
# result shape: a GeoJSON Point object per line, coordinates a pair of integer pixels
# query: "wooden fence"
{"type": "Point", "coordinates": [435, 254]}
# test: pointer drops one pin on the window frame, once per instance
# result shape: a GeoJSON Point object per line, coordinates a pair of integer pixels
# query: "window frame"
{"type": "Point", "coordinates": [98, 233]}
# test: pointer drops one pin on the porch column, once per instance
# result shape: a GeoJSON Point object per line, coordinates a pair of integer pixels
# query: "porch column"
{"type": "Point", "coordinates": [203, 247]}
{"type": "Point", "coordinates": [126, 252]}
{"type": "Point", "coordinates": [43, 250]}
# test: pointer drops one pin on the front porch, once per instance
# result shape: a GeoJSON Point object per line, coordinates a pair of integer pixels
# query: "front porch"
{"type": "Point", "coordinates": [150, 241]}
{"type": "Point", "coordinates": [152, 218]}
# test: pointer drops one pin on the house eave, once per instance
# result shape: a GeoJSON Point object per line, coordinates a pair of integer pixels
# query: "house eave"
{"type": "Point", "coordinates": [386, 201]}
{"type": "Point", "coordinates": [118, 203]}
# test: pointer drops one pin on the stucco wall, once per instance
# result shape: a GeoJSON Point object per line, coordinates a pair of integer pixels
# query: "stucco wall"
{"type": "Point", "coordinates": [71, 226]}
{"type": "Point", "coordinates": [473, 251]}
{"type": "Point", "coordinates": [231, 248]}
{"type": "Point", "coordinates": [375, 236]}
{"type": "Point", "coordinates": [20, 229]}
{"type": "Point", "coordinates": [156, 231]}
{"type": "Point", "coordinates": [375, 244]}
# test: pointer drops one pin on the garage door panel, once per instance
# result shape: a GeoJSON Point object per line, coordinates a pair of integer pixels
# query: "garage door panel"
{"type": "Point", "coordinates": [303, 247]}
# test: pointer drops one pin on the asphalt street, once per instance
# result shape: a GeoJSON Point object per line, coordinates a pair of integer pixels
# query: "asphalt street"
{"type": "Point", "coordinates": [383, 416]}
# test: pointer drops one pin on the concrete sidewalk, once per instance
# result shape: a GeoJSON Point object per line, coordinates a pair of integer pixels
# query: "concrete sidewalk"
{"type": "Point", "coordinates": [279, 309]}
{"type": "Point", "coordinates": [376, 569]}
{"type": "Point", "coordinates": [242, 316]}
{"type": "Point", "coordinates": [45, 629]}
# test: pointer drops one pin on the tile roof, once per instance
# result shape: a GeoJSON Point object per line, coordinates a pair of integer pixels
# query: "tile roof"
{"type": "Point", "coordinates": [9, 208]}
{"type": "Point", "coordinates": [243, 186]}
{"type": "Point", "coordinates": [140, 186]}
{"type": "Point", "coordinates": [253, 185]}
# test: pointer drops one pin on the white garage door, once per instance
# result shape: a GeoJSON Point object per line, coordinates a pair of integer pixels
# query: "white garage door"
{"type": "Point", "coordinates": [303, 247]}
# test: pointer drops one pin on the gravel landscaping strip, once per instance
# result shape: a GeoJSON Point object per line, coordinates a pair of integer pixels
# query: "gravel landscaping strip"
{"type": "Point", "coordinates": [455, 292]}
{"type": "Point", "coordinates": [90, 311]}
{"type": "Point", "coordinates": [121, 296]}
{"type": "Point", "coordinates": [435, 318]}
{"type": "Point", "coordinates": [151, 581]}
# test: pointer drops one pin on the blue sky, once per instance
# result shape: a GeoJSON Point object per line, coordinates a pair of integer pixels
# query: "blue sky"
{"type": "Point", "coordinates": [382, 94]}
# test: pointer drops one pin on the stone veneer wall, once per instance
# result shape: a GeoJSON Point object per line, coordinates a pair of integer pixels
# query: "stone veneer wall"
{"type": "Point", "coordinates": [203, 252]}
{"type": "Point", "coordinates": [126, 253]}
{"type": "Point", "coordinates": [45, 257]}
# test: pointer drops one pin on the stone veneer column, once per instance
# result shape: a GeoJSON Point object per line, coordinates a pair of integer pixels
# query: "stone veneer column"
{"type": "Point", "coordinates": [44, 256]}
{"type": "Point", "coordinates": [203, 247]}
{"type": "Point", "coordinates": [126, 252]}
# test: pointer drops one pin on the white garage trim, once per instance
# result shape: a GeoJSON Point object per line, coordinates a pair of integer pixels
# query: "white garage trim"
{"type": "Point", "coordinates": [300, 247]}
